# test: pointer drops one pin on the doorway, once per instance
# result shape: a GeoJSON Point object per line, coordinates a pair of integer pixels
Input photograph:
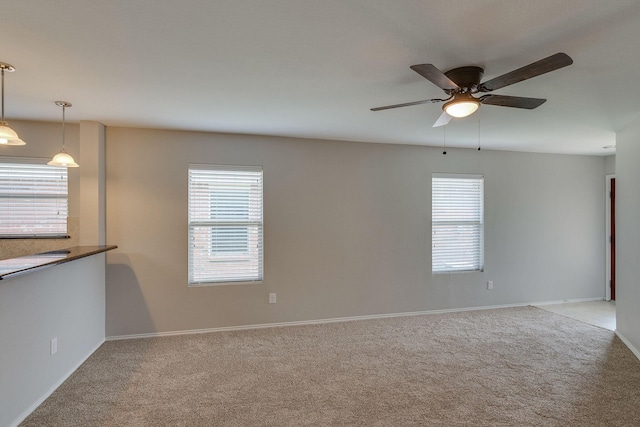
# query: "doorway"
{"type": "Point", "coordinates": [610, 286]}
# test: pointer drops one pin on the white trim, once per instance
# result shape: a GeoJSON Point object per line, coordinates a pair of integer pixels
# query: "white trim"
{"type": "Point", "coordinates": [626, 342]}
{"type": "Point", "coordinates": [568, 301]}
{"type": "Point", "coordinates": [26, 160]}
{"type": "Point", "coordinates": [338, 319]}
{"type": "Point", "coordinates": [208, 166]}
{"type": "Point", "coordinates": [229, 283]}
{"type": "Point", "coordinates": [457, 175]}
{"type": "Point", "coordinates": [53, 388]}
{"type": "Point", "coordinates": [607, 228]}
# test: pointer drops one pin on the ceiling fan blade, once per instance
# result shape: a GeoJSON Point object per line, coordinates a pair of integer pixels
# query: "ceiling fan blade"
{"type": "Point", "coordinates": [512, 101]}
{"type": "Point", "coordinates": [551, 63]}
{"type": "Point", "coordinates": [435, 76]}
{"type": "Point", "coordinates": [442, 120]}
{"type": "Point", "coordinates": [407, 104]}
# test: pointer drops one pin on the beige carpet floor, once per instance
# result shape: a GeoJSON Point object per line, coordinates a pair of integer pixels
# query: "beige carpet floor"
{"type": "Point", "coordinates": [504, 367]}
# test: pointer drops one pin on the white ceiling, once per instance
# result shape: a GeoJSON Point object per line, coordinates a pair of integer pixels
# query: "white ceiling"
{"type": "Point", "coordinates": [311, 68]}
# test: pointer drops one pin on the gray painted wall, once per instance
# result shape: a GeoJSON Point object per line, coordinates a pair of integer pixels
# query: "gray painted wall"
{"type": "Point", "coordinates": [628, 234]}
{"type": "Point", "coordinates": [65, 301]}
{"type": "Point", "coordinates": [347, 230]}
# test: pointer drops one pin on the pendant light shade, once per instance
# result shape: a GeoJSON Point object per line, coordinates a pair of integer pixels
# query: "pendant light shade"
{"type": "Point", "coordinates": [8, 136]}
{"type": "Point", "coordinates": [63, 158]}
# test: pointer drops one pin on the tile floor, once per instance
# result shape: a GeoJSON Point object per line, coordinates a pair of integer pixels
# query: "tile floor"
{"type": "Point", "coordinates": [597, 313]}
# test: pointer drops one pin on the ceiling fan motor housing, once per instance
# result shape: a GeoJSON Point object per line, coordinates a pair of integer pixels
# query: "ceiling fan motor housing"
{"type": "Point", "coordinates": [468, 78]}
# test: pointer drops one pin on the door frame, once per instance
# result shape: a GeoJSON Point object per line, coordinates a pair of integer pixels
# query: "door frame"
{"type": "Point", "coordinates": [607, 233]}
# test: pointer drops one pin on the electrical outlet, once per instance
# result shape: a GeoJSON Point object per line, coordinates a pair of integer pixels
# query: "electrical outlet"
{"type": "Point", "coordinates": [490, 285]}
{"type": "Point", "coordinates": [53, 345]}
{"type": "Point", "coordinates": [272, 298]}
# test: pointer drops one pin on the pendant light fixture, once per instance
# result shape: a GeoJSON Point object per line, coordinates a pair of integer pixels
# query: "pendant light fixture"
{"type": "Point", "coordinates": [8, 136]}
{"type": "Point", "coordinates": [63, 158]}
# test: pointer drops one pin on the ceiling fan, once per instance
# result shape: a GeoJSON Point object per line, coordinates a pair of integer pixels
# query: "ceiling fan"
{"type": "Point", "coordinates": [460, 84]}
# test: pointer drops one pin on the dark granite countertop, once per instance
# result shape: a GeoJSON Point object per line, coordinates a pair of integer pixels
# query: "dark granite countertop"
{"type": "Point", "coordinates": [25, 264]}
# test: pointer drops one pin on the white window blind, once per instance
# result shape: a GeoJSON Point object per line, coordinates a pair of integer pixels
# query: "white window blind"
{"type": "Point", "coordinates": [457, 223]}
{"type": "Point", "coordinates": [33, 199]}
{"type": "Point", "coordinates": [225, 224]}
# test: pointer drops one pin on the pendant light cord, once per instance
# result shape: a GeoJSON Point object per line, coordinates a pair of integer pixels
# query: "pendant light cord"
{"type": "Point", "coordinates": [63, 108]}
{"type": "Point", "coordinates": [2, 118]}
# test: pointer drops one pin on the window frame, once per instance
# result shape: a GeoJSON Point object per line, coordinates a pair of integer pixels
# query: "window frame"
{"type": "Point", "coordinates": [62, 203]}
{"type": "Point", "coordinates": [253, 221]}
{"type": "Point", "coordinates": [452, 221]}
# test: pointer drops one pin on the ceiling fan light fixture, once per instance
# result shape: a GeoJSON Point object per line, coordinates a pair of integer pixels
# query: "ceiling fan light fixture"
{"type": "Point", "coordinates": [461, 106]}
{"type": "Point", "coordinates": [7, 135]}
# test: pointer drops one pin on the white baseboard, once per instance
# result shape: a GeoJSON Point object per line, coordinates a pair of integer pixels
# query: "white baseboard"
{"type": "Point", "coordinates": [569, 301]}
{"type": "Point", "coordinates": [338, 319]}
{"type": "Point", "coordinates": [53, 388]}
{"type": "Point", "coordinates": [626, 342]}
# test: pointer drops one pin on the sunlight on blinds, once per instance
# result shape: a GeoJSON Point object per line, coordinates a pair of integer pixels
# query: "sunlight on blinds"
{"type": "Point", "coordinates": [225, 224]}
{"type": "Point", "coordinates": [33, 200]}
{"type": "Point", "coordinates": [457, 223]}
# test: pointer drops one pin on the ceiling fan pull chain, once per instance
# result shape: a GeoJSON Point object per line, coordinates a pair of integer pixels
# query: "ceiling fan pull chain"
{"type": "Point", "coordinates": [479, 113]}
{"type": "Point", "coordinates": [444, 140]}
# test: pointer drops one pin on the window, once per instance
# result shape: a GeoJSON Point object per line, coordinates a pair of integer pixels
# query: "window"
{"type": "Point", "coordinates": [225, 224]}
{"type": "Point", "coordinates": [33, 199]}
{"type": "Point", "coordinates": [229, 239]}
{"type": "Point", "coordinates": [457, 228]}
